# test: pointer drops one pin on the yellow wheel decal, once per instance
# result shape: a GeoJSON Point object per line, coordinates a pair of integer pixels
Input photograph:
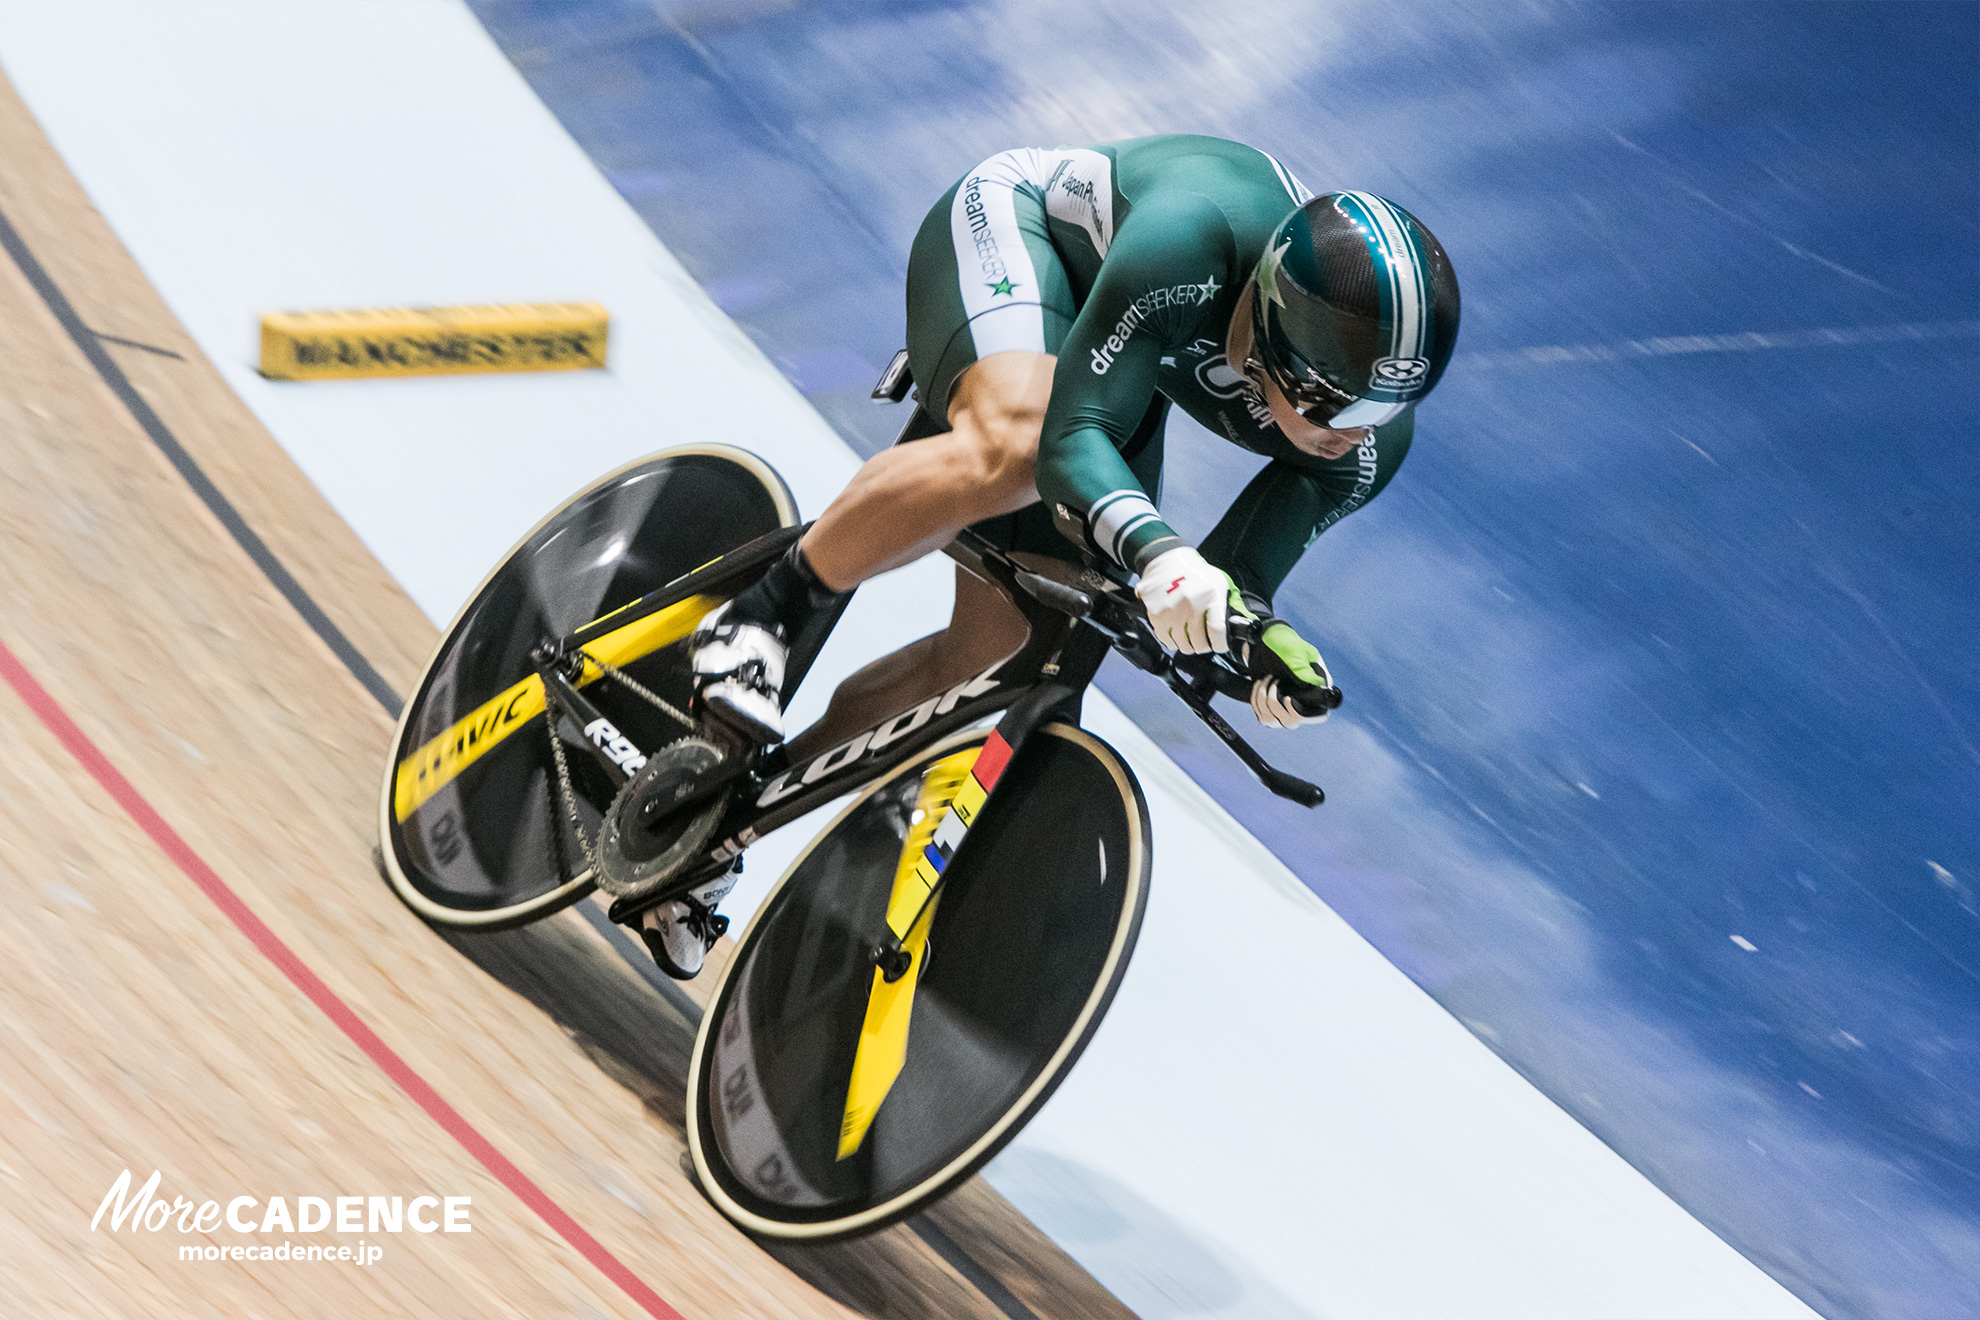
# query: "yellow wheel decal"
{"type": "Point", "coordinates": [440, 760]}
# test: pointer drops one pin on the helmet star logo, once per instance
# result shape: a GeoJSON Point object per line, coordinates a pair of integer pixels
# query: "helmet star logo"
{"type": "Point", "coordinates": [1268, 273]}
{"type": "Point", "coordinates": [1003, 286]}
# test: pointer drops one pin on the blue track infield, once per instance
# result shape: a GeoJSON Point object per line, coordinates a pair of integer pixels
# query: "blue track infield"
{"type": "Point", "coordinates": [1660, 766]}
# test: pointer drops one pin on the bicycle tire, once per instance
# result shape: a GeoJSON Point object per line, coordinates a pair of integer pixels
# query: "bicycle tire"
{"type": "Point", "coordinates": [490, 847]}
{"type": "Point", "coordinates": [995, 1024]}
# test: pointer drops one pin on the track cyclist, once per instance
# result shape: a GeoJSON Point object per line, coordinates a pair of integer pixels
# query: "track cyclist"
{"type": "Point", "coordinates": [1058, 302]}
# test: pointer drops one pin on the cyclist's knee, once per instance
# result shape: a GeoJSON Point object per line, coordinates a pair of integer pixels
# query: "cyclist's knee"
{"type": "Point", "coordinates": [1004, 449]}
{"type": "Point", "coordinates": [999, 410]}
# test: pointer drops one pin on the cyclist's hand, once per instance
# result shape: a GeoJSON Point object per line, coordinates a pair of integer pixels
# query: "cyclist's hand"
{"type": "Point", "coordinates": [1188, 601]}
{"type": "Point", "coordinates": [1286, 665]}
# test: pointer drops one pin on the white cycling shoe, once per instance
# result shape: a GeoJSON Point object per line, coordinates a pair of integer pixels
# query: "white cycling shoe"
{"type": "Point", "coordinates": [739, 675]}
{"type": "Point", "coordinates": [680, 934]}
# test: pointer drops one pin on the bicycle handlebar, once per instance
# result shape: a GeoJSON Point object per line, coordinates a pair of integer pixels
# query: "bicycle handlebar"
{"type": "Point", "coordinates": [1119, 616]}
{"type": "Point", "coordinates": [1218, 669]}
{"type": "Point", "coordinates": [1308, 702]}
{"type": "Point", "coordinates": [1320, 703]}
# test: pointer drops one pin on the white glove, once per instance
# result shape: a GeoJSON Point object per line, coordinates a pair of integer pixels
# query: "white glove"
{"type": "Point", "coordinates": [1187, 599]}
{"type": "Point", "coordinates": [1273, 710]}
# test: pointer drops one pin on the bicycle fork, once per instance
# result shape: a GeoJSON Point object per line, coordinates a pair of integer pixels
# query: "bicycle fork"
{"type": "Point", "coordinates": [931, 869]}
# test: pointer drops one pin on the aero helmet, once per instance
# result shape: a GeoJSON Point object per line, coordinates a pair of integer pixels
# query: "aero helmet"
{"type": "Point", "coordinates": [1356, 310]}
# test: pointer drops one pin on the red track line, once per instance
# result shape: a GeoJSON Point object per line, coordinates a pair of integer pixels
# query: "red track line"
{"type": "Point", "coordinates": [50, 712]}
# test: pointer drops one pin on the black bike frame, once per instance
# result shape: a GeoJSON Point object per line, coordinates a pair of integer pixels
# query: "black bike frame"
{"type": "Point", "coordinates": [1074, 616]}
{"type": "Point", "coordinates": [1043, 679]}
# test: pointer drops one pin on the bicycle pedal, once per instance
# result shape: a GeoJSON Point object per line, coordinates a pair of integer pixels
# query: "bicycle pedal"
{"type": "Point", "coordinates": [628, 911]}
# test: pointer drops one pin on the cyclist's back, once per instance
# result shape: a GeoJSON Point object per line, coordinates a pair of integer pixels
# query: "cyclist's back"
{"type": "Point", "coordinates": [1175, 223]}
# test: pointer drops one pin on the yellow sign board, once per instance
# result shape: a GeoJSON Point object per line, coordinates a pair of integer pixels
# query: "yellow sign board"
{"type": "Point", "coordinates": [433, 341]}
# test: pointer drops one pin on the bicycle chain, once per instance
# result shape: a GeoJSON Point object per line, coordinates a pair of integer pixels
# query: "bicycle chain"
{"type": "Point", "coordinates": [552, 715]}
{"type": "Point", "coordinates": [620, 676]}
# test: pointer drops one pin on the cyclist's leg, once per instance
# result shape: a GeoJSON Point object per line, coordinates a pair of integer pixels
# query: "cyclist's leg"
{"type": "Point", "coordinates": [983, 360]}
{"type": "Point", "coordinates": [988, 304]}
{"type": "Point", "coordinates": [901, 505]}
{"type": "Point", "coordinates": [984, 628]}
{"type": "Point", "coordinates": [914, 498]}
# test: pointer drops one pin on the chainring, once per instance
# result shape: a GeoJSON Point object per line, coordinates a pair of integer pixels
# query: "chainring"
{"type": "Point", "coordinates": [642, 846]}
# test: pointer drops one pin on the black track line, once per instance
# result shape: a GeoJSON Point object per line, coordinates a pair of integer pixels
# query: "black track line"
{"type": "Point", "coordinates": [320, 623]}
{"type": "Point", "coordinates": [965, 1264]}
{"type": "Point", "coordinates": [216, 503]}
{"type": "Point", "coordinates": [132, 343]}
{"type": "Point", "coordinates": [921, 1225]}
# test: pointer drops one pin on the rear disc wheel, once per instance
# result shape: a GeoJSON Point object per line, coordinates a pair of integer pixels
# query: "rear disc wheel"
{"type": "Point", "coordinates": [474, 828]}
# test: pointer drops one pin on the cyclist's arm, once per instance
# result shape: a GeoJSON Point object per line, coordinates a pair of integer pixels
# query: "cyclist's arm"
{"type": "Point", "coordinates": [1290, 503]}
{"type": "Point", "coordinates": [1109, 363]}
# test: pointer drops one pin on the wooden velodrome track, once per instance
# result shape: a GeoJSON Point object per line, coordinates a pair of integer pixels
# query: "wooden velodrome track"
{"type": "Point", "coordinates": [179, 739]}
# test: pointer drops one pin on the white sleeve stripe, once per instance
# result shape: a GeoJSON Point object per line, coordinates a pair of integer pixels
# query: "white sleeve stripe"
{"type": "Point", "coordinates": [1120, 539]}
{"type": "Point", "coordinates": [1115, 514]}
{"type": "Point", "coordinates": [1298, 191]}
{"type": "Point", "coordinates": [991, 255]}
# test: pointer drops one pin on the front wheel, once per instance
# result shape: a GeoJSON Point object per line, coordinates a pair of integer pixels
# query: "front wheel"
{"type": "Point", "coordinates": [1023, 948]}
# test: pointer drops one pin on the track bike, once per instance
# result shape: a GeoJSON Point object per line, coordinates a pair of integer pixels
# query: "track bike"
{"type": "Point", "coordinates": [934, 962]}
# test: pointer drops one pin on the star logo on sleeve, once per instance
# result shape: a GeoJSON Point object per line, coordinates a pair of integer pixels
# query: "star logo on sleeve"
{"type": "Point", "coordinates": [1003, 286]}
{"type": "Point", "coordinates": [1206, 290]}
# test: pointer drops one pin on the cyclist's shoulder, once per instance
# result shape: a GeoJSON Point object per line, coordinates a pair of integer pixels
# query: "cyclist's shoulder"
{"type": "Point", "coordinates": [1170, 225]}
{"type": "Point", "coordinates": [1237, 178]}
{"type": "Point", "coordinates": [1189, 193]}
{"type": "Point", "coordinates": [1175, 151]}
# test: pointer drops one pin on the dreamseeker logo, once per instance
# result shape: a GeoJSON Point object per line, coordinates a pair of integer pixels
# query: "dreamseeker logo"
{"type": "Point", "coordinates": [1364, 486]}
{"type": "Point", "coordinates": [149, 1211]}
{"type": "Point", "coordinates": [1138, 311]}
{"type": "Point", "coordinates": [979, 231]}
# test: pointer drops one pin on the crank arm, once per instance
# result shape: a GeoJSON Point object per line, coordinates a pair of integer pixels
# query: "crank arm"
{"type": "Point", "coordinates": [628, 911]}
{"type": "Point", "coordinates": [1291, 787]}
